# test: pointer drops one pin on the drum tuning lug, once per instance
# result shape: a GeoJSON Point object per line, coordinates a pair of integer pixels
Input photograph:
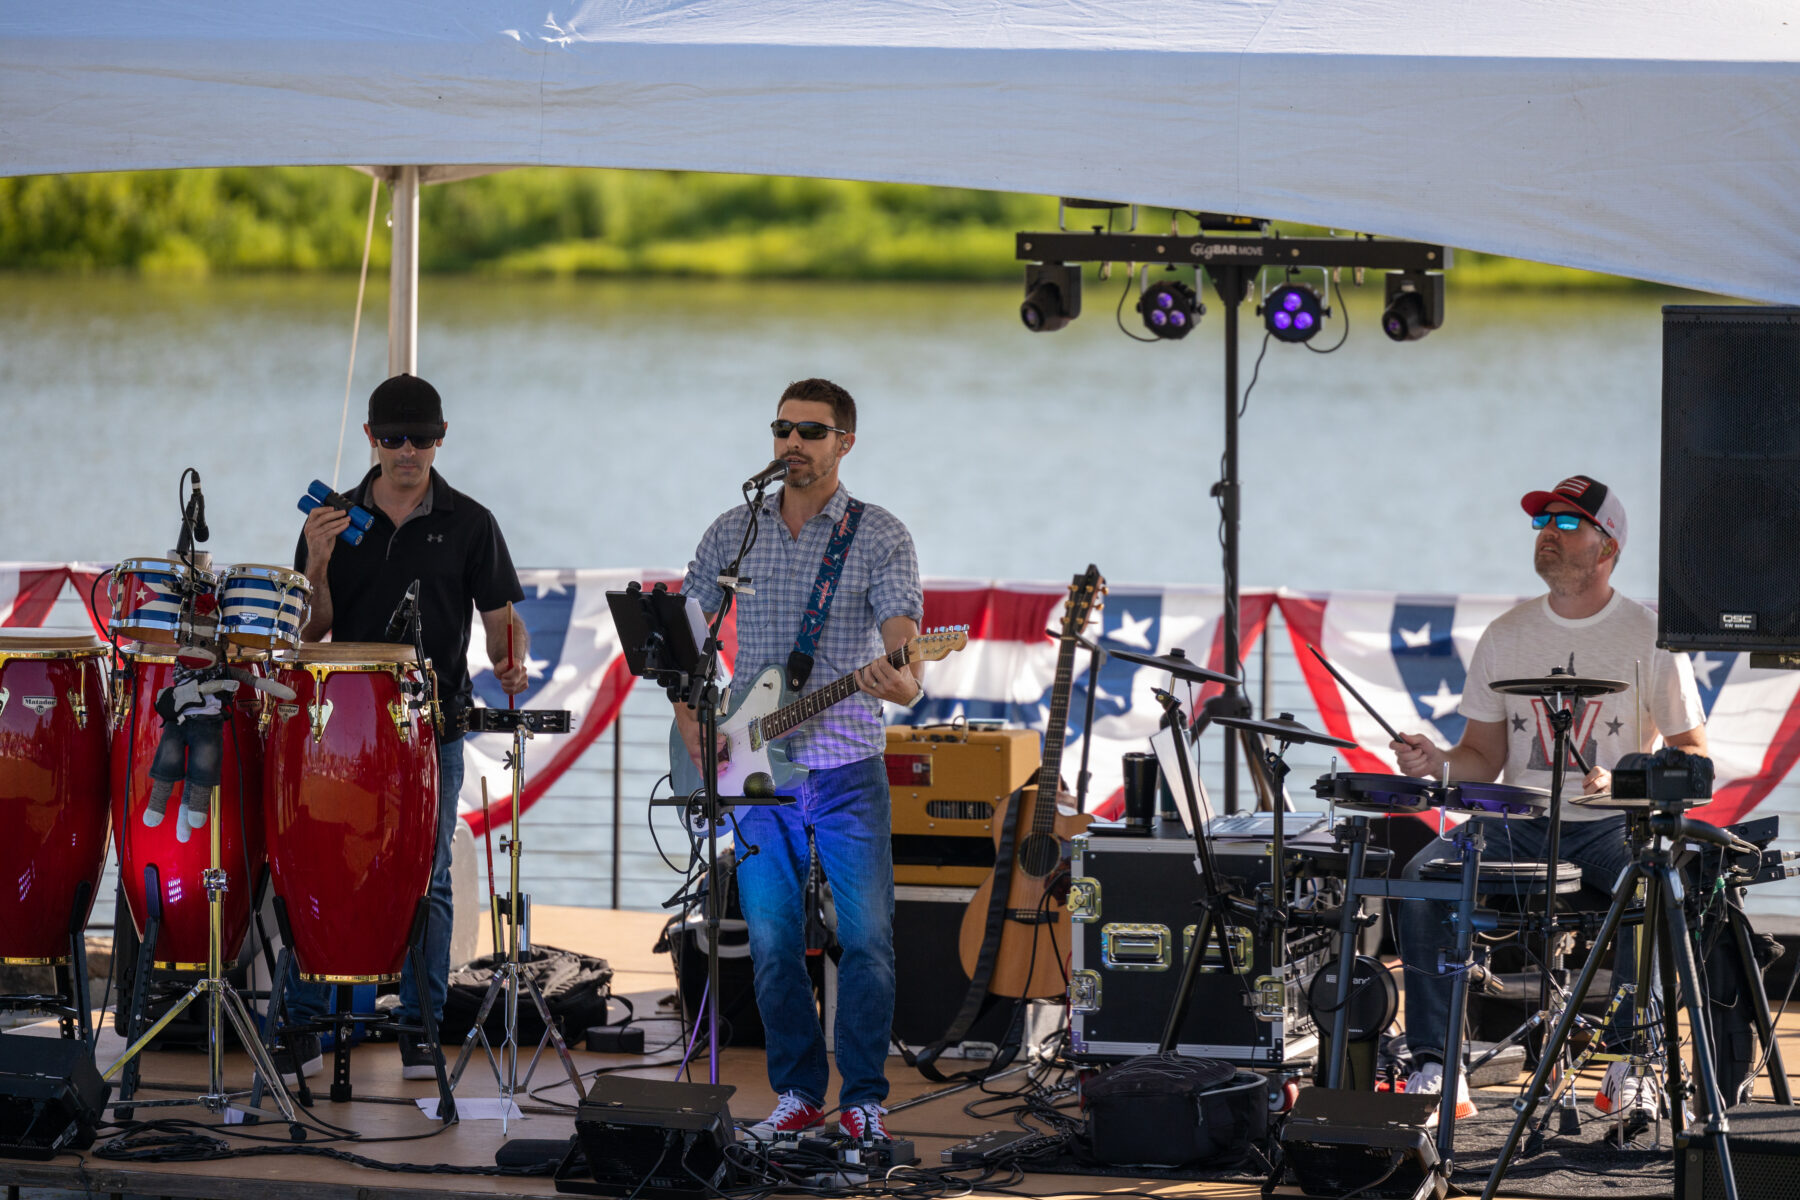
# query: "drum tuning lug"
{"type": "Point", "coordinates": [398, 710]}
{"type": "Point", "coordinates": [321, 713]}
{"type": "Point", "coordinates": [79, 707]}
{"type": "Point", "coordinates": [4, 697]}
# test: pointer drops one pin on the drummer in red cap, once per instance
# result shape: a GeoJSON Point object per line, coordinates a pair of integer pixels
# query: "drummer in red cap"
{"type": "Point", "coordinates": [1582, 623]}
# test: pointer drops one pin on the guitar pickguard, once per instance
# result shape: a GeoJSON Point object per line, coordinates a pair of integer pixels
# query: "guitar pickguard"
{"type": "Point", "coordinates": [753, 766]}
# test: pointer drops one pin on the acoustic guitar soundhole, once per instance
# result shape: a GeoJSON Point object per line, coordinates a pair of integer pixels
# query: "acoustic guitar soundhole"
{"type": "Point", "coordinates": [1038, 854]}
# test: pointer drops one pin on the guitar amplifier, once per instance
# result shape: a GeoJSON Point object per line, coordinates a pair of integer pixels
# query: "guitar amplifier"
{"type": "Point", "coordinates": [946, 784]}
{"type": "Point", "coordinates": [1132, 900]}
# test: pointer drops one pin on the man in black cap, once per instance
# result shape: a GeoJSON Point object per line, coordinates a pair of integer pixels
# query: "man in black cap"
{"type": "Point", "coordinates": [424, 530]}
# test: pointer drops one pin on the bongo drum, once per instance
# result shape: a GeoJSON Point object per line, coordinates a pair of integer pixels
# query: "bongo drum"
{"type": "Point", "coordinates": [146, 598]}
{"type": "Point", "coordinates": [151, 860]}
{"type": "Point", "coordinates": [351, 796]}
{"type": "Point", "coordinates": [52, 787]}
{"type": "Point", "coordinates": [263, 608]}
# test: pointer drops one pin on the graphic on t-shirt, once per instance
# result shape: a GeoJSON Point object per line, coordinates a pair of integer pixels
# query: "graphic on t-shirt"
{"type": "Point", "coordinates": [1581, 732]}
{"type": "Point", "coordinates": [1425, 655]}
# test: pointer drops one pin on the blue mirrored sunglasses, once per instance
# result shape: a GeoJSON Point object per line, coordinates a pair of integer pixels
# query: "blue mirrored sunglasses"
{"type": "Point", "coordinates": [1566, 522]}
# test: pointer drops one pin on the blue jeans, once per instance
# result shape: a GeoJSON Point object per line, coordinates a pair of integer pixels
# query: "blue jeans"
{"type": "Point", "coordinates": [845, 810]}
{"type": "Point", "coordinates": [309, 1001]}
{"type": "Point", "coordinates": [1423, 927]}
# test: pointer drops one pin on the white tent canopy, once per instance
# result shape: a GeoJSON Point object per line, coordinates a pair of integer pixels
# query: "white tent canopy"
{"type": "Point", "coordinates": [1657, 141]}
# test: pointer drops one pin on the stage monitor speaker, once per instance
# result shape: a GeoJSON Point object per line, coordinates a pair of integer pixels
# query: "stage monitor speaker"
{"type": "Point", "coordinates": [1765, 1156]}
{"type": "Point", "coordinates": [51, 1096]}
{"type": "Point", "coordinates": [1729, 578]}
{"type": "Point", "coordinates": [650, 1140]}
{"type": "Point", "coordinates": [1370, 1143]}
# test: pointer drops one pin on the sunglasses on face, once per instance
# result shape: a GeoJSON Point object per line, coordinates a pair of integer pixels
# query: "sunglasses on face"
{"type": "Point", "coordinates": [1566, 522]}
{"type": "Point", "coordinates": [419, 441]}
{"type": "Point", "coordinates": [812, 431]}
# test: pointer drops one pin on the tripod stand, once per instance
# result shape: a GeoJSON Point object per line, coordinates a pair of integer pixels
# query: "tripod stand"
{"type": "Point", "coordinates": [222, 1003]}
{"type": "Point", "coordinates": [515, 909]}
{"type": "Point", "coordinates": [1658, 837]}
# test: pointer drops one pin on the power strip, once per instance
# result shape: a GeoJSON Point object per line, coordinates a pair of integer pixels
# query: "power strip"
{"type": "Point", "coordinates": [986, 1148]}
{"type": "Point", "coordinates": [615, 1039]}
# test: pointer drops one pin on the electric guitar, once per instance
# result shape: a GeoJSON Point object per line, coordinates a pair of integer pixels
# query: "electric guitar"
{"type": "Point", "coordinates": [1028, 963]}
{"type": "Point", "coordinates": [752, 764]}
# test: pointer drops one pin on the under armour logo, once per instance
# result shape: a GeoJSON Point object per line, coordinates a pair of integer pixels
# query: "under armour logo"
{"type": "Point", "coordinates": [434, 537]}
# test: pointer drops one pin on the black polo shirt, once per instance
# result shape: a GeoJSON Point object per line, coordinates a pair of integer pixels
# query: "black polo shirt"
{"type": "Point", "coordinates": [456, 552]}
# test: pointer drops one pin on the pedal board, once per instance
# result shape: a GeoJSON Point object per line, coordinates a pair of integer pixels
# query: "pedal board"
{"type": "Point", "coordinates": [986, 1148]}
{"type": "Point", "coordinates": [855, 1161]}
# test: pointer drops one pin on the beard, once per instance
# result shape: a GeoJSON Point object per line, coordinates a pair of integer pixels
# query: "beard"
{"type": "Point", "coordinates": [1566, 575]}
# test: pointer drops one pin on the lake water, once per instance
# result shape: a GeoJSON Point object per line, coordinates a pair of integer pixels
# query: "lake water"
{"type": "Point", "coordinates": [607, 422]}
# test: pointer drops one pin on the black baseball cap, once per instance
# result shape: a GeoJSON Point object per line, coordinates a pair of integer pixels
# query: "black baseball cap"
{"type": "Point", "coordinates": [405, 406]}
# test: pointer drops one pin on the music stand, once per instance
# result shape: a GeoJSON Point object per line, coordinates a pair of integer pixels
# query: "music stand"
{"type": "Point", "coordinates": [658, 630]}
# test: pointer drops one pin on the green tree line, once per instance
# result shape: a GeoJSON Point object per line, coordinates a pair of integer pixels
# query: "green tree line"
{"type": "Point", "coordinates": [553, 222]}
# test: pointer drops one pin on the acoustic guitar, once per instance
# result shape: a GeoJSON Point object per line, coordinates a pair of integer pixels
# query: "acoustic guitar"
{"type": "Point", "coordinates": [753, 763]}
{"type": "Point", "coordinates": [1034, 937]}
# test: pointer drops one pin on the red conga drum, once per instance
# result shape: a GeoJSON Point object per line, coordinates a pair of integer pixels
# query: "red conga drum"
{"type": "Point", "coordinates": [179, 867]}
{"type": "Point", "coordinates": [52, 787]}
{"type": "Point", "coordinates": [351, 790]}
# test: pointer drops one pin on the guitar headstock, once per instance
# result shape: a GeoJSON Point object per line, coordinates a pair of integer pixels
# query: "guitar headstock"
{"type": "Point", "coordinates": [937, 644]}
{"type": "Point", "coordinates": [1085, 597]}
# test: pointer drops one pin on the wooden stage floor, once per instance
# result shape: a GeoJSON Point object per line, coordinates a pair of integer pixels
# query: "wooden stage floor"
{"type": "Point", "coordinates": [931, 1115]}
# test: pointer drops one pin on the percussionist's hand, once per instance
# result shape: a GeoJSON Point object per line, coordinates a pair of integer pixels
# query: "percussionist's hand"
{"type": "Point", "coordinates": [1597, 780]}
{"type": "Point", "coordinates": [323, 524]}
{"type": "Point", "coordinates": [1416, 754]}
{"type": "Point", "coordinates": [512, 675]}
{"type": "Point", "coordinates": [885, 681]}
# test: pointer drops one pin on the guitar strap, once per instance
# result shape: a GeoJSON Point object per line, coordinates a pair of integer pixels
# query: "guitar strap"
{"type": "Point", "coordinates": [984, 965]}
{"type": "Point", "coordinates": [806, 642]}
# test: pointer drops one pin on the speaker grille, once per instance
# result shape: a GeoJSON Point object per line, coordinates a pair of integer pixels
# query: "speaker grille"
{"type": "Point", "coordinates": [1730, 573]}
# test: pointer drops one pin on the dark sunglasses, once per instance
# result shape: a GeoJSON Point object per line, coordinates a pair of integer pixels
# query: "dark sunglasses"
{"type": "Point", "coordinates": [419, 441]}
{"type": "Point", "coordinates": [1566, 522]}
{"type": "Point", "coordinates": [812, 431]}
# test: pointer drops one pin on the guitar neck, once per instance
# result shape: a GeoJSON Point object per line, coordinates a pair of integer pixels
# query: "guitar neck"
{"type": "Point", "coordinates": [1043, 817]}
{"type": "Point", "coordinates": [789, 715]}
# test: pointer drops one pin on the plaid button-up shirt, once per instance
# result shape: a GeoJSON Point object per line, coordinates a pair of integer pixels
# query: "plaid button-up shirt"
{"type": "Point", "coordinates": [880, 580]}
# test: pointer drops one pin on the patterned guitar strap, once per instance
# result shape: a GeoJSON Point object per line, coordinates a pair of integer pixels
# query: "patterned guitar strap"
{"type": "Point", "coordinates": [806, 642]}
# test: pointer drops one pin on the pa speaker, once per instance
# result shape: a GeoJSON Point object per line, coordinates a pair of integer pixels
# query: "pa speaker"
{"type": "Point", "coordinates": [1729, 577]}
{"type": "Point", "coordinates": [51, 1096]}
{"type": "Point", "coordinates": [1764, 1142]}
{"type": "Point", "coordinates": [650, 1140]}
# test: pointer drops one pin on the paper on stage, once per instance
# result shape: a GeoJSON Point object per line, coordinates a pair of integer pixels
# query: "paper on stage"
{"type": "Point", "coordinates": [474, 1108]}
{"type": "Point", "coordinates": [1163, 741]}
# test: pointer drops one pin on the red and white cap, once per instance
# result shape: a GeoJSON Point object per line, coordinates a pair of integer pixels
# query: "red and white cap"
{"type": "Point", "coordinates": [1590, 496]}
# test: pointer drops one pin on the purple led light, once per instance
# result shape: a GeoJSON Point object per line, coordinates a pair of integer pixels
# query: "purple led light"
{"type": "Point", "coordinates": [1178, 319]}
{"type": "Point", "coordinates": [1165, 301]}
{"type": "Point", "coordinates": [1292, 301]}
{"type": "Point", "coordinates": [1281, 320]}
{"type": "Point", "coordinates": [1158, 317]}
{"type": "Point", "coordinates": [1303, 320]}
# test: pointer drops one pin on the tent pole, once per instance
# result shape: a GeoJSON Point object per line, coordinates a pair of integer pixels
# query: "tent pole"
{"type": "Point", "coordinates": [403, 275]}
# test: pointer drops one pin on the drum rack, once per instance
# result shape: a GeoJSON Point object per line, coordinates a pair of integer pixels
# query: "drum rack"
{"type": "Point", "coordinates": [69, 1003]}
{"type": "Point", "coordinates": [514, 911]}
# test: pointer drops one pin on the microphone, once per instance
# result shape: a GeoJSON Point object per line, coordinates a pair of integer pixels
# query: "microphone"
{"type": "Point", "coordinates": [405, 613]}
{"type": "Point", "coordinates": [776, 470]}
{"type": "Point", "coordinates": [198, 500]}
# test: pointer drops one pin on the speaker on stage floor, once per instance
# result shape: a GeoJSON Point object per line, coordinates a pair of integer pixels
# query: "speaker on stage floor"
{"type": "Point", "coordinates": [51, 1096]}
{"type": "Point", "coordinates": [1370, 1143]}
{"type": "Point", "coordinates": [1729, 579]}
{"type": "Point", "coordinates": [650, 1139]}
{"type": "Point", "coordinates": [1765, 1156]}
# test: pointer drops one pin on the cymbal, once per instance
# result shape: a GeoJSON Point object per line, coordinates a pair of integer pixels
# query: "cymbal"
{"type": "Point", "coordinates": [1285, 729]}
{"type": "Point", "coordinates": [1177, 663]}
{"type": "Point", "coordinates": [1557, 683]}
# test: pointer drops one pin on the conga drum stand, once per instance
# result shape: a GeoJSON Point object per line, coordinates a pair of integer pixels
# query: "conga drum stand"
{"type": "Point", "coordinates": [222, 1004]}
{"type": "Point", "coordinates": [514, 909]}
{"type": "Point", "coordinates": [69, 1004]}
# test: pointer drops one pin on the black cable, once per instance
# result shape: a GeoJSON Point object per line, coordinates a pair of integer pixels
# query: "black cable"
{"type": "Point", "coordinates": [1345, 336]}
{"type": "Point", "coordinates": [1119, 313]}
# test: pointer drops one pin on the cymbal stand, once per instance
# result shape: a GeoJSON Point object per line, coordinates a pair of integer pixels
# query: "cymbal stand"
{"type": "Point", "coordinates": [1672, 947]}
{"type": "Point", "coordinates": [222, 1004]}
{"type": "Point", "coordinates": [1552, 977]}
{"type": "Point", "coordinates": [514, 910]}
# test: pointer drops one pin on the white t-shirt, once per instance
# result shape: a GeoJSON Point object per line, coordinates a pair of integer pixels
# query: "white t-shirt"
{"type": "Point", "coordinates": [1528, 639]}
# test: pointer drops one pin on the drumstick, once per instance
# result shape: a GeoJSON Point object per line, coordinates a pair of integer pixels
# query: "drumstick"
{"type": "Point", "coordinates": [1324, 662]}
{"type": "Point", "coordinates": [509, 650]}
{"type": "Point", "coordinates": [487, 826]}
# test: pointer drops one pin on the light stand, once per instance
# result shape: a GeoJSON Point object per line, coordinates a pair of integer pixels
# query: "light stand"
{"type": "Point", "coordinates": [1233, 262]}
{"type": "Point", "coordinates": [515, 910]}
{"type": "Point", "coordinates": [223, 1003]}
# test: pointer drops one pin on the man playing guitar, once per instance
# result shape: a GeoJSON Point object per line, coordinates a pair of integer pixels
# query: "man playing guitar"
{"type": "Point", "coordinates": [841, 804]}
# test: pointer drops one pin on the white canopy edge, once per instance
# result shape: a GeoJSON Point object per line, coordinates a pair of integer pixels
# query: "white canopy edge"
{"type": "Point", "coordinates": [1656, 142]}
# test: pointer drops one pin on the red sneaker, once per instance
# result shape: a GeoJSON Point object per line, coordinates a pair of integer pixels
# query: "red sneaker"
{"type": "Point", "coordinates": [863, 1123]}
{"type": "Point", "coordinates": [792, 1115]}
